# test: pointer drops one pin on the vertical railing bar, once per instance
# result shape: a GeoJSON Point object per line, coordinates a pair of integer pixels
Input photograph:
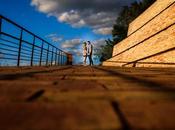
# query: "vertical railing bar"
{"type": "Point", "coordinates": [47, 55]}
{"type": "Point", "coordinates": [59, 58]}
{"type": "Point", "coordinates": [52, 56]}
{"type": "Point", "coordinates": [0, 24]}
{"type": "Point", "coordinates": [63, 59]}
{"type": "Point", "coordinates": [33, 47]}
{"type": "Point", "coordinates": [66, 59]}
{"type": "Point", "coordinates": [41, 54]}
{"type": "Point", "coordinates": [56, 54]}
{"type": "Point", "coordinates": [19, 50]}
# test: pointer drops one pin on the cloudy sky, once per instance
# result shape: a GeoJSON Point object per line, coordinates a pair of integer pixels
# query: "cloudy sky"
{"type": "Point", "coordinates": [66, 23]}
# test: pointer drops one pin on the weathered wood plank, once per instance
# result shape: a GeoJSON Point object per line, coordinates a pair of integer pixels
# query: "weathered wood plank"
{"type": "Point", "coordinates": [86, 98]}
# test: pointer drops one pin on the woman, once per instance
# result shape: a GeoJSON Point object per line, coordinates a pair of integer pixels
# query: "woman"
{"type": "Point", "coordinates": [84, 52]}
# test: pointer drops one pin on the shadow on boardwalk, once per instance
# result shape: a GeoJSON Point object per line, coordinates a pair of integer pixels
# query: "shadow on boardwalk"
{"type": "Point", "coordinates": [87, 98]}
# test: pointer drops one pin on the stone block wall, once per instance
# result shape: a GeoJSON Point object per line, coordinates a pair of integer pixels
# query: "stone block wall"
{"type": "Point", "coordinates": [149, 14]}
{"type": "Point", "coordinates": [151, 39]}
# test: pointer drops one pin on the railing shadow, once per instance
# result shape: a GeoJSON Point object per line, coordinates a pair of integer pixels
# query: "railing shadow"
{"type": "Point", "coordinates": [143, 82]}
{"type": "Point", "coordinates": [29, 74]}
{"type": "Point", "coordinates": [162, 52]}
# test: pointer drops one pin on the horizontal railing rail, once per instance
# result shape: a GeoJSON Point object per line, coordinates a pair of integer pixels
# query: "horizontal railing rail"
{"type": "Point", "coordinates": [20, 47]}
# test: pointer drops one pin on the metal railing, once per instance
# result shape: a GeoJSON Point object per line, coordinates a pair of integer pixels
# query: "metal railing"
{"type": "Point", "coordinates": [20, 47]}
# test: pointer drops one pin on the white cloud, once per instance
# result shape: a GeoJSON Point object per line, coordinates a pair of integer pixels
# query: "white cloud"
{"type": "Point", "coordinates": [69, 16]}
{"type": "Point", "coordinates": [46, 6]}
{"type": "Point", "coordinates": [72, 18]}
{"type": "Point", "coordinates": [98, 43]}
{"type": "Point", "coordinates": [54, 37]}
{"type": "Point", "coordinates": [76, 52]}
{"type": "Point", "coordinates": [80, 23]}
{"type": "Point", "coordinates": [100, 15]}
{"type": "Point", "coordinates": [71, 44]}
{"type": "Point", "coordinates": [104, 31]}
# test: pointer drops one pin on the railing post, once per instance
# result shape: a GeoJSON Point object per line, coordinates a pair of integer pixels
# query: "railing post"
{"type": "Point", "coordinates": [41, 54]}
{"type": "Point", "coordinates": [52, 56]}
{"type": "Point", "coordinates": [33, 47]}
{"type": "Point", "coordinates": [0, 24]}
{"type": "Point", "coordinates": [67, 61]}
{"type": "Point", "coordinates": [59, 58]}
{"type": "Point", "coordinates": [19, 50]}
{"type": "Point", "coordinates": [47, 55]}
{"type": "Point", "coordinates": [56, 57]}
{"type": "Point", "coordinates": [63, 59]}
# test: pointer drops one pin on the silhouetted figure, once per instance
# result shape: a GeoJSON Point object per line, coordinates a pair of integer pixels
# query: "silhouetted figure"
{"type": "Point", "coordinates": [89, 52]}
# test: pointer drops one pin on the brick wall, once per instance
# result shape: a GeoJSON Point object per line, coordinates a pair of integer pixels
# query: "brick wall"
{"type": "Point", "coordinates": [151, 39]}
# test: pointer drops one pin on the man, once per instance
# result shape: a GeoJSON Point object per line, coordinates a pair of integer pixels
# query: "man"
{"type": "Point", "coordinates": [89, 52]}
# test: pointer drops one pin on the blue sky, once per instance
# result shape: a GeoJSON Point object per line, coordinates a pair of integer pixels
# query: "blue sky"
{"type": "Point", "coordinates": [66, 24]}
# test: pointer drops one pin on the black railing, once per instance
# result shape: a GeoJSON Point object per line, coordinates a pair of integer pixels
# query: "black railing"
{"type": "Point", "coordinates": [20, 47]}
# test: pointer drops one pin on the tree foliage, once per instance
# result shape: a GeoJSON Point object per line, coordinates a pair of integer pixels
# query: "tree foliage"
{"type": "Point", "coordinates": [105, 52]}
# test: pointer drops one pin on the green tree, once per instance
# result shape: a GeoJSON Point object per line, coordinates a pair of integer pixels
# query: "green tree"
{"type": "Point", "coordinates": [105, 51]}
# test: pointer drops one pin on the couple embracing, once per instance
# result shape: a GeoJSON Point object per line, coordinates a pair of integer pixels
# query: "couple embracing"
{"type": "Point", "coordinates": [87, 52]}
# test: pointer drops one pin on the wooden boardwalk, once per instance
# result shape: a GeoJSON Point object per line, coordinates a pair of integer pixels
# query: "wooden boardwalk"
{"type": "Point", "coordinates": [87, 98]}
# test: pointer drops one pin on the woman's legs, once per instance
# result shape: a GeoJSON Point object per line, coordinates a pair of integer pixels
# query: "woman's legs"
{"type": "Point", "coordinates": [85, 57]}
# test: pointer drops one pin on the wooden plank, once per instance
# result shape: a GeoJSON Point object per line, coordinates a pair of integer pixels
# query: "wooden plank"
{"type": "Point", "coordinates": [93, 115]}
{"type": "Point", "coordinates": [149, 113]}
{"type": "Point", "coordinates": [85, 98]}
